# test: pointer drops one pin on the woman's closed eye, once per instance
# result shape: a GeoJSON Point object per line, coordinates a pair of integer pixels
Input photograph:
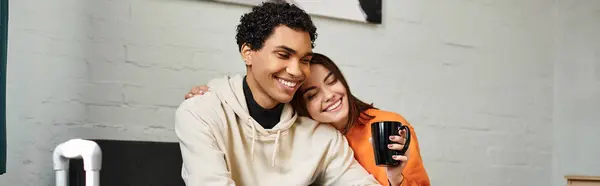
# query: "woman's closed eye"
{"type": "Point", "coordinates": [331, 80]}
{"type": "Point", "coordinates": [309, 95]}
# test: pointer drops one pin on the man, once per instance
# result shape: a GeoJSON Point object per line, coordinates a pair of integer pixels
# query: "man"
{"type": "Point", "coordinates": [244, 132]}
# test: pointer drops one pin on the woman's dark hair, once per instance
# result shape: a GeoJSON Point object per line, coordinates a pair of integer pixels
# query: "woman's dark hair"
{"type": "Point", "coordinates": [256, 26]}
{"type": "Point", "coordinates": [356, 106]}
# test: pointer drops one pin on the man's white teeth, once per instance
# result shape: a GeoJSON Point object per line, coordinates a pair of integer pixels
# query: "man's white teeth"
{"type": "Point", "coordinates": [334, 106]}
{"type": "Point", "coordinates": [287, 83]}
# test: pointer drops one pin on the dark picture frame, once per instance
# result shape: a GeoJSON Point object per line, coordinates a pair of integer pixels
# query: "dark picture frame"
{"type": "Point", "coordinates": [366, 11]}
{"type": "Point", "coordinates": [3, 61]}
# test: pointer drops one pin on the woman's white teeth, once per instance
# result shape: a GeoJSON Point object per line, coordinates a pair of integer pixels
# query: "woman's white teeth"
{"type": "Point", "coordinates": [334, 106]}
{"type": "Point", "coordinates": [287, 83]}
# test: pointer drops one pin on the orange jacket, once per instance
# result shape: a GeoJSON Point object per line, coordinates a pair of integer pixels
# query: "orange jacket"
{"type": "Point", "coordinates": [358, 138]}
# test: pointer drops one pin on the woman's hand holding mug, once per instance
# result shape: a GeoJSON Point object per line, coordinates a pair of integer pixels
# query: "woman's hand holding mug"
{"type": "Point", "coordinates": [390, 141]}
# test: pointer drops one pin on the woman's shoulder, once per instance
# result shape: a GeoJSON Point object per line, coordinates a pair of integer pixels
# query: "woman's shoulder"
{"type": "Point", "coordinates": [383, 115]}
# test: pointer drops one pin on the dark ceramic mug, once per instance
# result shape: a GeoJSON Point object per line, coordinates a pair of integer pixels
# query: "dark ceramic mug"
{"type": "Point", "coordinates": [380, 134]}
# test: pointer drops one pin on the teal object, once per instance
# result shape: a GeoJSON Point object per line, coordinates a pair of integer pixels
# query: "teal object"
{"type": "Point", "coordinates": [3, 48]}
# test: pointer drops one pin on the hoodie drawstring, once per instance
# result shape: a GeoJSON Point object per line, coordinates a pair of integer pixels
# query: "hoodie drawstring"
{"type": "Point", "coordinates": [275, 148]}
{"type": "Point", "coordinates": [253, 139]}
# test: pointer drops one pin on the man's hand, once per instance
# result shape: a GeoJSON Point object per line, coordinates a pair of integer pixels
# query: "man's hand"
{"type": "Point", "coordinates": [196, 91]}
{"type": "Point", "coordinates": [395, 173]}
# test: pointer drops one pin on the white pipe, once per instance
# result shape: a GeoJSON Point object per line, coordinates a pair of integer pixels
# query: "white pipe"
{"type": "Point", "coordinates": [87, 150]}
{"type": "Point", "coordinates": [92, 178]}
{"type": "Point", "coordinates": [62, 177]}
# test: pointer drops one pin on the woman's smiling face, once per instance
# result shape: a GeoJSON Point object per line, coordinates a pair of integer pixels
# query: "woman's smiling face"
{"type": "Point", "coordinates": [325, 96]}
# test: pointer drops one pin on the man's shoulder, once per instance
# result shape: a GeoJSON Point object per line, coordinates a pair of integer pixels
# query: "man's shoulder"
{"type": "Point", "coordinates": [319, 130]}
{"type": "Point", "coordinates": [201, 105]}
{"type": "Point", "coordinates": [207, 100]}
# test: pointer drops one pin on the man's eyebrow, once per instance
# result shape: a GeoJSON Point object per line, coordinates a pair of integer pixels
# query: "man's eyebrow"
{"type": "Point", "coordinates": [309, 54]}
{"type": "Point", "coordinates": [288, 49]}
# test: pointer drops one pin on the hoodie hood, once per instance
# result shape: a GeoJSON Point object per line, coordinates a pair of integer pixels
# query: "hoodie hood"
{"type": "Point", "coordinates": [230, 91]}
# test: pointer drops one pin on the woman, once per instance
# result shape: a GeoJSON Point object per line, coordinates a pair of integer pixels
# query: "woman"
{"type": "Point", "coordinates": [326, 98]}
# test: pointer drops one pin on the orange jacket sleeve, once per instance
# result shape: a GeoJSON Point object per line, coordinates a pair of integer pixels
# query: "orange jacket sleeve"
{"type": "Point", "coordinates": [414, 172]}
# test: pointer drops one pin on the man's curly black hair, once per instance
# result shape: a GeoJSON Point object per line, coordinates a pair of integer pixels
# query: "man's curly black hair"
{"type": "Point", "coordinates": [256, 26]}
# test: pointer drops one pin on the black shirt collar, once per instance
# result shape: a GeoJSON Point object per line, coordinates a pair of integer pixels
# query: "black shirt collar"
{"type": "Point", "coordinates": [267, 118]}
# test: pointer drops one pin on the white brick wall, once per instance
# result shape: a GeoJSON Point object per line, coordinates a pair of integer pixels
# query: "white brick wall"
{"type": "Point", "coordinates": [474, 77]}
{"type": "Point", "coordinates": [577, 91]}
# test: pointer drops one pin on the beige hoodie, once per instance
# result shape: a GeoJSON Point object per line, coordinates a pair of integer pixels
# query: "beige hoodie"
{"type": "Point", "coordinates": [222, 145]}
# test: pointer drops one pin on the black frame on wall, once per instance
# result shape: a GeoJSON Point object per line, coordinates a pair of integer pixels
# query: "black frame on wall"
{"type": "Point", "coordinates": [3, 54]}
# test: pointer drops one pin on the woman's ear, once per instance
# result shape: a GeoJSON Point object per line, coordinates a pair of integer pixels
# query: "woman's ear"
{"type": "Point", "coordinates": [246, 53]}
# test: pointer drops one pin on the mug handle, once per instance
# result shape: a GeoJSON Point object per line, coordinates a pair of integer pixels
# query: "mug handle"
{"type": "Point", "coordinates": [407, 143]}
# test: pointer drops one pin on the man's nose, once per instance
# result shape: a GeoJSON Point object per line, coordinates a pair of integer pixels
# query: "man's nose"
{"type": "Point", "coordinates": [294, 68]}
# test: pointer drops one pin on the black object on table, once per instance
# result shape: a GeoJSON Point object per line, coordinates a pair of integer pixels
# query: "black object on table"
{"type": "Point", "coordinates": [134, 163]}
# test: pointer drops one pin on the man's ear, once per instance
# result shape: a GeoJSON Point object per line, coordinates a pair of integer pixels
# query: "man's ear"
{"type": "Point", "coordinates": [246, 53]}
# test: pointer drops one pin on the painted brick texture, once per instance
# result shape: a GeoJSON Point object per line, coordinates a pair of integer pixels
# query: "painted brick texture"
{"type": "Point", "coordinates": [475, 78]}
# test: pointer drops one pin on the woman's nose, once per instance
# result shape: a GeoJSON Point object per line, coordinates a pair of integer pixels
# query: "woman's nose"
{"type": "Point", "coordinates": [328, 95]}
